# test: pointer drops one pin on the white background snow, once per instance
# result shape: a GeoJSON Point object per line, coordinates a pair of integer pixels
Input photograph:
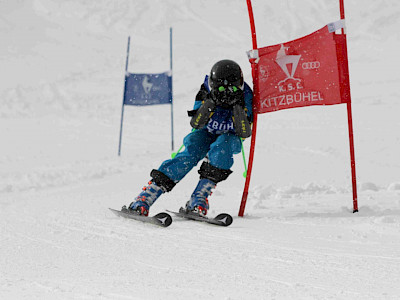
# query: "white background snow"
{"type": "Point", "coordinates": [62, 71]}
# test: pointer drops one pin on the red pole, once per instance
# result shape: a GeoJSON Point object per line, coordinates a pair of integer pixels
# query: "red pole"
{"type": "Point", "coordinates": [341, 10]}
{"type": "Point", "coordinates": [352, 158]}
{"type": "Point", "coordinates": [254, 68]}
{"type": "Point", "coordinates": [350, 122]}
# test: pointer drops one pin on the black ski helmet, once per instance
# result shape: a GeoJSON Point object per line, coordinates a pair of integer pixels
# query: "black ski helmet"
{"type": "Point", "coordinates": [225, 73]}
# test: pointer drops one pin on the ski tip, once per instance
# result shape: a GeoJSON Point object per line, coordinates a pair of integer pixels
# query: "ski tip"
{"type": "Point", "coordinates": [224, 219]}
{"type": "Point", "coordinates": [164, 219]}
{"type": "Point", "coordinates": [114, 210]}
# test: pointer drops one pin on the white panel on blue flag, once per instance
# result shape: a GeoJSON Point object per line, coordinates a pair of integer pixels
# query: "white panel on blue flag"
{"type": "Point", "coordinates": [148, 89]}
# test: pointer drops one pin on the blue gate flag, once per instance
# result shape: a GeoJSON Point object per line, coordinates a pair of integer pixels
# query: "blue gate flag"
{"type": "Point", "coordinates": [148, 89]}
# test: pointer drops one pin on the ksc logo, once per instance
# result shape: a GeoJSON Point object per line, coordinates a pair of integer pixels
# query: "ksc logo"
{"type": "Point", "coordinates": [288, 63]}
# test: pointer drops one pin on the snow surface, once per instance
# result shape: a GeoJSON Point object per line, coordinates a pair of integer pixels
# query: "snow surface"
{"type": "Point", "coordinates": [62, 70]}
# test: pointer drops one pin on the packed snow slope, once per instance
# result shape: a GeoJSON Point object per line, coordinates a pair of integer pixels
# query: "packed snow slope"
{"type": "Point", "coordinates": [62, 71]}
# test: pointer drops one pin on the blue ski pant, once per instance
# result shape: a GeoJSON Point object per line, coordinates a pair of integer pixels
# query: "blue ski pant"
{"type": "Point", "coordinates": [199, 144]}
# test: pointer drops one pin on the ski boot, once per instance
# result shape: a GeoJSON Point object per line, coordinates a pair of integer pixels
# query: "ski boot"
{"type": "Point", "coordinates": [146, 198]}
{"type": "Point", "coordinates": [198, 203]}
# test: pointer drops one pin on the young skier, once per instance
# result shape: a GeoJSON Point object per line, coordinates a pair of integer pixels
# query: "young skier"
{"type": "Point", "coordinates": [221, 117]}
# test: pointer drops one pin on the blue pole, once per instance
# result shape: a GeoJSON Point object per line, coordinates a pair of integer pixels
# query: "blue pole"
{"type": "Point", "coordinates": [123, 98]}
{"type": "Point", "coordinates": [171, 94]}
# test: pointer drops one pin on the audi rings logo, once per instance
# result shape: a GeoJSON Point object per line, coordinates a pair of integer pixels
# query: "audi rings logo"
{"type": "Point", "coordinates": [311, 65]}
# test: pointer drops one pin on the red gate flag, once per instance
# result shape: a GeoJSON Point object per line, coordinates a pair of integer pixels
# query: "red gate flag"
{"type": "Point", "coordinates": [311, 70]}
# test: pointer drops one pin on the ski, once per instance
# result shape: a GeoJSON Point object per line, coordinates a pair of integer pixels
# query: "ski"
{"type": "Point", "coordinates": [161, 219]}
{"type": "Point", "coordinates": [220, 220]}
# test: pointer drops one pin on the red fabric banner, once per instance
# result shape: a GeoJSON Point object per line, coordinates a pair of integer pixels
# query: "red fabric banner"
{"type": "Point", "coordinates": [308, 71]}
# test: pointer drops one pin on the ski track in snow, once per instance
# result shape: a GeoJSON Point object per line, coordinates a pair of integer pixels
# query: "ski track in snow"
{"type": "Point", "coordinates": [62, 83]}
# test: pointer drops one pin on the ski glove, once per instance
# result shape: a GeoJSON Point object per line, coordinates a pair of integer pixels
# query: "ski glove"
{"type": "Point", "coordinates": [241, 122]}
{"type": "Point", "coordinates": [203, 114]}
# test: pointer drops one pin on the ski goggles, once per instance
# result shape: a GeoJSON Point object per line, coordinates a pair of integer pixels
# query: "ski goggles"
{"type": "Point", "coordinates": [229, 88]}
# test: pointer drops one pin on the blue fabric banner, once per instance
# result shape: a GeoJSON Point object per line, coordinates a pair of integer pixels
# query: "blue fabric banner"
{"type": "Point", "coordinates": [148, 89]}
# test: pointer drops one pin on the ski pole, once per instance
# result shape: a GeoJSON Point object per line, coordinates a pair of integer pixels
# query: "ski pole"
{"type": "Point", "coordinates": [173, 154]}
{"type": "Point", "coordinates": [244, 160]}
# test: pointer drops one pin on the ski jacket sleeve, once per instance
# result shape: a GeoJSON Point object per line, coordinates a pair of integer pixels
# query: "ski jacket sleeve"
{"type": "Point", "coordinates": [203, 109]}
{"type": "Point", "coordinates": [201, 96]}
{"type": "Point", "coordinates": [248, 99]}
